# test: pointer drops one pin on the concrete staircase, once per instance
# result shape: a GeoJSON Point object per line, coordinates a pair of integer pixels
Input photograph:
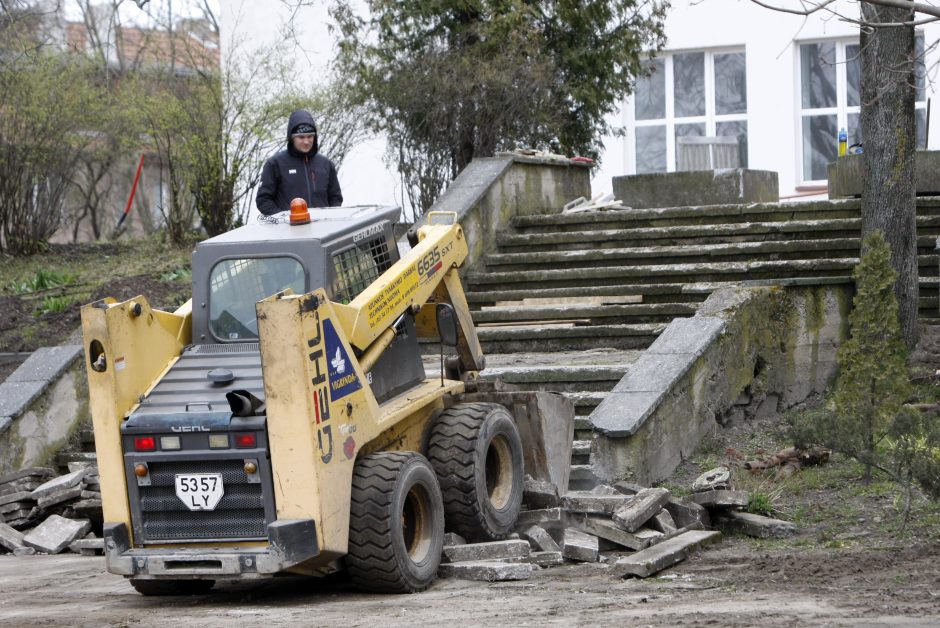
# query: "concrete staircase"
{"type": "Point", "coordinates": [568, 301]}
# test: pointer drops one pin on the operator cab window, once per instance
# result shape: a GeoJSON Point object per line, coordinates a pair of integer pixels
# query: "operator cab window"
{"type": "Point", "coordinates": [235, 285]}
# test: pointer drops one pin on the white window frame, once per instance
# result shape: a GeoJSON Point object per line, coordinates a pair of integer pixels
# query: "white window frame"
{"type": "Point", "coordinates": [710, 119]}
{"type": "Point", "coordinates": [842, 110]}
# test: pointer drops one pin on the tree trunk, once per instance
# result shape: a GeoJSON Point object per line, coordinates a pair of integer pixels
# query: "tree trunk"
{"type": "Point", "coordinates": [888, 195]}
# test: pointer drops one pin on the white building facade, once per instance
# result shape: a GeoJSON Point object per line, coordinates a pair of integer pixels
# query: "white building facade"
{"type": "Point", "coordinates": [781, 84]}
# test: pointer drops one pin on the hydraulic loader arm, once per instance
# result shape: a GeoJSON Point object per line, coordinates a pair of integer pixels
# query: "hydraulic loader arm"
{"type": "Point", "coordinates": [428, 270]}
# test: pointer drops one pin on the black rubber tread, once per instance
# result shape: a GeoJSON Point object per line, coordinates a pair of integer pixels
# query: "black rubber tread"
{"type": "Point", "coordinates": [457, 449]}
{"type": "Point", "coordinates": [172, 587]}
{"type": "Point", "coordinates": [378, 559]}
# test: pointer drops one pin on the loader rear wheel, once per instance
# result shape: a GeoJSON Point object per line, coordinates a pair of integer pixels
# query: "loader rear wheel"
{"type": "Point", "coordinates": [476, 452]}
{"type": "Point", "coordinates": [396, 523]}
{"type": "Point", "coordinates": [172, 587]}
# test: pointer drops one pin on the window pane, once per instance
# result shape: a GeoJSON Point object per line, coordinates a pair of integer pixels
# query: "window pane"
{"type": "Point", "coordinates": [855, 129]}
{"type": "Point", "coordinates": [818, 75]}
{"type": "Point", "coordinates": [736, 129]}
{"type": "Point", "coordinates": [853, 75]}
{"type": "Point", "coordinates": [691, 157]}
{"type": "Point", "coordinates": [650, 149]}
{"type": "Point", "coordinates": [689, 84]}
{"type": "Point", "coordinates": [920, 123]}
{"type": "Point", "coordinates": [920, 69]}
{"type": "Point", "coordinates": [820, 146]}
{"type": "Point", "coordinates": [650, 94]}
{"type": "Point", "coordinates": [730, 84]}
{"type": "Point", "coordinates": [236, 284]}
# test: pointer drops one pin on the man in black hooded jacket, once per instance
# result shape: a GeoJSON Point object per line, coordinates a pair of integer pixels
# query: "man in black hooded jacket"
{"type": "Point", "coordinates": [299, 171]}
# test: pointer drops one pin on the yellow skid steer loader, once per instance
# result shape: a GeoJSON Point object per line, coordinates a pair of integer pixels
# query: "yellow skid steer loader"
{"type": "Point", "coordinates": [282, 421]}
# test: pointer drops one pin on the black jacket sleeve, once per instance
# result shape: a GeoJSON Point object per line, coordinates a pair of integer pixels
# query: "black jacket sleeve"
{"type": "Point", "coordinates": [333, 191]}
{"type": "Point", "coordinates": [266, 198]}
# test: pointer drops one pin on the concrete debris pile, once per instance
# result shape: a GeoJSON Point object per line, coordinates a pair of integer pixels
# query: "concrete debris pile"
{"type": "Point", "coordinates": [585, 526]}
{"type": "Point", "coordinates": [713, 490]}
{"type": "Point", "coordinates": [45, 513]}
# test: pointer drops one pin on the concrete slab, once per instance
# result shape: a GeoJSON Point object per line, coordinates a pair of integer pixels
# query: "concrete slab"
{"type": "Point", "coordinates": [537, 495]}
{"type": "Point", "coordinates": [720, 499]}
{"type": "Point", "coordinates": [580, 546]}
{"type": "Point", "coordinates": [450, 538]}
{"type": "Point", "coordinates": [621, 414]}
{"type": "Point", "coordinates": [697, 188]}
{"type": "Point", "coordinates": [487, 571]}
{"type": "Point", "coordinates": [59, 497]}
{"type": "Point", "coordinates": [642, 507]}
{"type": "Point", "coordinates": [663, 522]}
{"type": "Point", "coordinates": [688, 513]}
{"type": "Point", "coordinates": [539, 538]}
{"type": "Point", "coordinates": [545, 517]}
{"type": "Point", "coordinates": [547, 559]}
{"type": "Point", "coordinates": [87, 547]}
{"type": "Point", "coordinates": [55, 534]}
{"type": "Point", "coordinates": [495, 550]}
{"type": "Point", "coordinates": [46, 364]}
{"type": "Point", "coordinates": [654, 559]}
{"type": "Point", "coordinates": [10, 538]}
{"type": "Point", "coordinates": [604, 528]}
{"type": "Point", "coordinates": [19, 496]}
{"type": "Point", "coordinates": [689, 336]}
{"type": "Point", "coordinates": [757, 526]}
{"type": "Point", "coordinates": [24, 551]}
{"type": "Point", "coordinates": [60, 483]}
{"type": "Point", "coordinates": [592, 503]}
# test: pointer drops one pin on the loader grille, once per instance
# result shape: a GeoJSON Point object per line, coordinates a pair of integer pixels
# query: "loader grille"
{"type": "Point", "coordinates": [357, 267]}
{"type": "Point", "coordinates": [239, 515]}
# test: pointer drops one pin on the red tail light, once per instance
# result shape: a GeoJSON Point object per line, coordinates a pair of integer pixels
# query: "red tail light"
{"type": "Point", "coordinates": [245, 440]}
{"type": "Point", "coordinates": [145, 443]}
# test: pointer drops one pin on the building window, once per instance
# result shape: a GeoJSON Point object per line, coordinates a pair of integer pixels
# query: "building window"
{"type": "Point", "coordinates": [830, 100]}
{"type": "Point", "coordinates": [688, 94]}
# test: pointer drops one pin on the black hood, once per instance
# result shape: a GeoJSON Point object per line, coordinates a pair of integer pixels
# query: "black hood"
{"type": "Point", "coordinates": [301, 116]}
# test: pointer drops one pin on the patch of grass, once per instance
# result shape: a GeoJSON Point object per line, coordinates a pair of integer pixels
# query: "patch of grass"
{"type": "Point", "coordinates": [42, 279]}
{"type": "Point", "coordinates": [183, 273]}
{"type": "Point", "coordinates": [54, 304]}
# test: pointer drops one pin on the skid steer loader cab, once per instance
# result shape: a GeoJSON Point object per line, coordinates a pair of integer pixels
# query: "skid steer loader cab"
{"type": "Point", "coordinates": [282, 420]}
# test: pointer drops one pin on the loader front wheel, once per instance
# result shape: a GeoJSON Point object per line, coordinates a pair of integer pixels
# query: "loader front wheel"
{"type": "Point", "coordinates": [476, 452]}
{"type": "Point", "coordinates": [396, 523]}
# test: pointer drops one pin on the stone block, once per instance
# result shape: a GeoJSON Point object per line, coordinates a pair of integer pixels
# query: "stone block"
{"type": "Point", "coordinates": [494, 550]}
{"type": "Point", "coordinates": [19, 496]}
{"type": "Point", "coordinates": [720, 499]}
{"type": "Point", "coordinates": [97, 495]}
{"type": "Point", "coordinates": [547, 559]}
{"type": "Point", "coordinates": [450, 538]}
{"type": "Point", "coordinates": [580, 546]}
{"type": "Point", "coordinates": [58, 497]}
{"type": "Point", "coordinates": [55, 534]}
{"type": "Point", "coordinates": [658, 557]}
{"type": "Point", "coordinates": [589, 502]}
{"type": "Point", "coordinates": [628, 488]}
{"type": "Point", "coordinates": [663, 522]}
{"type": "Point", "coordinates": [10, 538]}
{"type": "Point", "coordinates": [545, 517]}
{"type": "Point", "coordinates": [538, 495]}
{"type": "Point", "coordinates": [539, 538]}
{"type": "Point", "coordinates": [487, 571]}
{"type": "Point", "coordinates": [643, 506]}
{"type": "Point", "coordinates": [757, 526]}
{"type": "Point", "coordinates": [689, 336]}
{"type": "Point", "coordinates": [87, 547]}
{"type": "Point", "coordinates": [46, 364]}
{"type": "Point", "coordinates": [24, 551]}
{"type": "Point", "coordinates": [696, 188]}
{"type": "Point", "coordinates": [688, 513]}
{"type": "Point", "coordinates": [846, 174]}
{"type": "Point", "coordinates": [60, 483]}
{"type": "Point", "coordinates": [604, 528]}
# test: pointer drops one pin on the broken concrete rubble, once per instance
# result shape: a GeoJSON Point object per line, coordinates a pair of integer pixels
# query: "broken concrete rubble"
{"type": "Point", "coordinates": [55, 534]}
{"type": "Point", "coordinates": [757, 526]}
{"type": "Point", "coordinates": [720, 499]}
{"type": "Point", "coordinates": [540, 539]}
{"type": "Point", "coordinates": [494, 550]}
{"type": "Point", "coordinates": [488, 571]}
{"type": "Point", "coordinates": [654, 559]}
{"type": "Point", "coordinates": [641, 508]}
{"type": "Point", "coordinates": [579, 546]}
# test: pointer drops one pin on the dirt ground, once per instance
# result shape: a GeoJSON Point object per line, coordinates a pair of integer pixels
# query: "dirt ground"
{"type": "Point", "coordinates": [729, 584]}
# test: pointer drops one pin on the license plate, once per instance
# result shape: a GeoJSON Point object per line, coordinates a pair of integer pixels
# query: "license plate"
{"type": "Point", "coordinates": [199, 491]}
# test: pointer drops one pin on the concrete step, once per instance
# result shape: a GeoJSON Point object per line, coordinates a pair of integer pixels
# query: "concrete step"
{"type": "Point", "coordinates": [703, 215]}
{"type": "Point", "coordinates": [539, 337]}
{"type": "Point", "coordinates": [651, 292]}
{"type": "Point", "coordinates": [582, 478]}
{"type": "Point", "coordinates": [700, 234]}
{"type": "Point", "coordinates": [581, 452]}
{"type": "Point", "coordinates": [631, 313]}
{"type": "Point", "coordinates": [700, 215]}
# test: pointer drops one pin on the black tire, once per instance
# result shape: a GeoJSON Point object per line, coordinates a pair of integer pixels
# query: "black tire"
{"type": "Point", "coordinates": [396, 523]}
{"type": "Point", "coordinates": [476, 452]}
{"type": "Point", "coordinates": [172, 587]}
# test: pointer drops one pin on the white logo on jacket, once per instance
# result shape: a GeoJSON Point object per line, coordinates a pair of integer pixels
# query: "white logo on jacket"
{"type": "Point", "coordinates": [292, 171]}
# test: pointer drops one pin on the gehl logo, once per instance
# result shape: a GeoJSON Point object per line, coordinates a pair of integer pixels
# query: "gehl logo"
{"type": "Point", "coordinates": [189, 428]}
{"type": "Point", "coordinates": [321, 401]}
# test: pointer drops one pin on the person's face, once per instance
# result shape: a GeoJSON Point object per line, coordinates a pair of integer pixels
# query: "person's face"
{"type": "Point", "coordinates": [303, 143]}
